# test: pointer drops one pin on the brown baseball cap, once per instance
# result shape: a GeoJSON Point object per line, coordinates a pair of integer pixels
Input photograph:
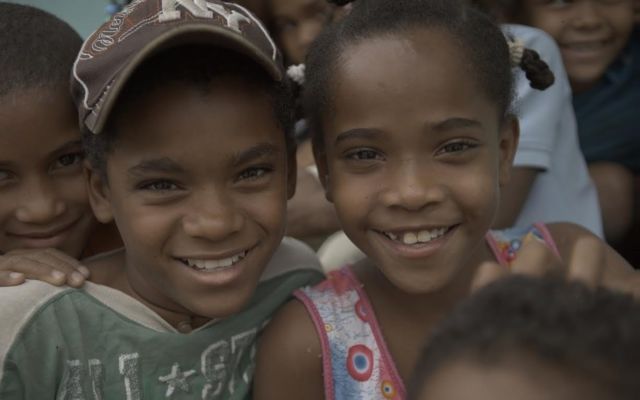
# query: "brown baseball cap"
{"type": "Point", "coordinates": [113, 52]}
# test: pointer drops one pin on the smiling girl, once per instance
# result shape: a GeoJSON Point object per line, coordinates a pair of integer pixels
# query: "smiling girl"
{"type": "Point", "coordinates": [409, 102]}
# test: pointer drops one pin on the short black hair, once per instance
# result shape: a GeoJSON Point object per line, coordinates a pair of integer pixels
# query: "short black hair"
{"type": "Point", "coordinates": [478, 36]}
{"type": "Point", "coordinates": [37, 49]}
{"type": "Point", "coordinates": [593, 333]}
{"type": "Point", "coordinates": [196, 66]}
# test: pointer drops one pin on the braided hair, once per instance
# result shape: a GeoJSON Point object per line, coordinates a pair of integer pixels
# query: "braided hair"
{"type": "Point", "coordinates": [482, 43]}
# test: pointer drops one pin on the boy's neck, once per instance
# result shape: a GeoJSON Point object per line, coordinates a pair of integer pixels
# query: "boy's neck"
{"type": "Point", "coordinates": [110, 270]}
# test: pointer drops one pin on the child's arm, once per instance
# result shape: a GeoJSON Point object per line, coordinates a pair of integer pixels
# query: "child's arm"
{"type": "Point", "coordinates": [289, 360]}
{"type": "Point", "coordinates": [48, 265]}
{"type": "Point", "coordinates": [584, 257]}
{"type": "Point", "coordinates": [593, 261]}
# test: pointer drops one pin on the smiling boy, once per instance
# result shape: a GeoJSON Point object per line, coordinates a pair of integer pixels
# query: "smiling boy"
{"type": "Point", "coordinates": [43, 197]}
{"type": "Point", "coordinates": [185, 113]}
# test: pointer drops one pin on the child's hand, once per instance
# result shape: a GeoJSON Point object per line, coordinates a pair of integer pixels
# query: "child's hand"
{"type": "Point", "coordinates": [47, 265]}
{"type": "Point", "coordinates": [588, 264]}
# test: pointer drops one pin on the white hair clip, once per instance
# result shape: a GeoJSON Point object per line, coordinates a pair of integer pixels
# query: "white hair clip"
{"type": "Point", "coordinates": [296, 73]}
{"type": "Point", "coordinates": [516, 50]}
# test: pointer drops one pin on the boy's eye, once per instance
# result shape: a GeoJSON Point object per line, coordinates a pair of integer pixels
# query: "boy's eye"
{"type": "Point", "coordinates": [159, 186]}
{"type": "Point", "coordinates": [68, 160]}
{"type": "Point", "coordinates": [253, 173]}
{"type": "Point", "coordinates": [364, 154]}
{"type": "Point", "coordinates": [456, 147]}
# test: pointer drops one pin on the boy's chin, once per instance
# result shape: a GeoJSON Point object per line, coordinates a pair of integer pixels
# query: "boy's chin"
{"type": "Point", "coordinates": [223, 304]}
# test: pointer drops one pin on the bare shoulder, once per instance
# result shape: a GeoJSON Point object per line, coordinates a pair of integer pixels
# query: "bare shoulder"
{"type": "Point", "coordinates": [289, 360]}
{"type": "Point", "coordinates": [572, 240]}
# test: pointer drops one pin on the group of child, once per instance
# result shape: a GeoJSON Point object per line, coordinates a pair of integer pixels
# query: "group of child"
{"type": "Point", "coordinates": [186, 145]}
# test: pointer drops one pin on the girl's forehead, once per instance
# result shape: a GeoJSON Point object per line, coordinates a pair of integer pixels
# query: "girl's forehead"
{"type": "Point", "coordinates": [395, 65]}
{"type": "Point", "coordinates": [420, 76]}
{"type": "Point", "coordinates": [412, 51]}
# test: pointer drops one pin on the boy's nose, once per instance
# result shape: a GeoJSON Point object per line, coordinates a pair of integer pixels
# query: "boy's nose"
{"type": "Point", "coordinates": [40, 204]}
{"type": "Point", "coordinates": [212, 217]}
{"type": "Point", "coordinates": [411, 188]}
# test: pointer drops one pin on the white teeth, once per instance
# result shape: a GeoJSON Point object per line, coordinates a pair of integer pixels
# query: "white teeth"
{"type": "Point", "coordinates": [424, 236]}
{"type": "Point", "coordinates": [211, 265]}
{"type": "Point", "coordinates": [409, 238]}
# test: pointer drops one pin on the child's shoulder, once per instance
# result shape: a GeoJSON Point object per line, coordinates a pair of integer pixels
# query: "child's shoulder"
{"type": "Point", "coordinates": [20, 305]}
{"type": "Point", "coordinates": [289, 341]}
{"type": "Point", "coordinates": [292, 255]}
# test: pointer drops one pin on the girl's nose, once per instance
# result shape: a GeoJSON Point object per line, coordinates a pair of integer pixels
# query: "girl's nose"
{"type": "Point", "coordinates": [412, 188]}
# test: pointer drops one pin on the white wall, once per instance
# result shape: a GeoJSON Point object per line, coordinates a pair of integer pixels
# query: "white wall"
{"type": "Point", "coordinates": [84, 15]}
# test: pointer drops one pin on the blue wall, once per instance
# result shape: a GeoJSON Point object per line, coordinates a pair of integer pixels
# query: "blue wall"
{"type": "Point", "coordinates": [84, 15]}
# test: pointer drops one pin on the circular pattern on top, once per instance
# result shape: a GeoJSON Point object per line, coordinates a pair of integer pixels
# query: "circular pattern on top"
{"type": "Point", "coordinates": [360, 362]}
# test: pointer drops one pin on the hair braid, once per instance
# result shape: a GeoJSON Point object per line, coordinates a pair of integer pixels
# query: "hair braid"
{"type": "Point", "coordinates": [536, 70]}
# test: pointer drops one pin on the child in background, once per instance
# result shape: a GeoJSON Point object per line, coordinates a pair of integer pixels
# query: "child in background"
{"type": "Point", "coordinates": [43, 198]}
{"type": "Point", "coordinates": [602, 58]}
{"type": "Point", "coordinates": [410, 103]}
{"type": "Point", "coordinates": [294, 25]}
{"type": "Point", "coordinates": [187, 125]}
{"type": "Point", "coordinates": [524, 338]}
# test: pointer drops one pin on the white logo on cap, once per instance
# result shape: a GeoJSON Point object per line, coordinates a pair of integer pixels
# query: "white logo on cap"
{"type": "Point", "coordinates": [201, 9]}
{"type": "Point", "coordinates": [232, 17]}
{"type": "Point", "coordinates": [170, 12]}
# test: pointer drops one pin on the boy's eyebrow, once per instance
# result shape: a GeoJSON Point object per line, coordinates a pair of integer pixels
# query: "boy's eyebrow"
{"type": "Point", "coordinates": [358, 133]}
{"type": "Point", "coordinates": [258, 151]}
{"type": "Point", "coordinates": [453, 124]}
{"type": "Point", "coordinates": [164, 165]}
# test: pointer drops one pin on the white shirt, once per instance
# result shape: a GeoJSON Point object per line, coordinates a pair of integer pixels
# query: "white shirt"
{"type": "Point", "coordinates": [562, 190]}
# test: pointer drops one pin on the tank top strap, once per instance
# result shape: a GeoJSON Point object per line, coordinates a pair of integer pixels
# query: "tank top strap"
{"type": "Point", "coordinates": [506, 243]}
{"type": "Point", "coordinates": [356, 363]}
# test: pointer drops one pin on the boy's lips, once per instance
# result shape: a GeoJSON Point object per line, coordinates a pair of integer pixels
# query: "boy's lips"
{"type": "Point", "coordinates": [416, 242]}
{"type": "Point", "coordinates": [208, 264]}
{"type": "Point", "coordinates": [217, 270]}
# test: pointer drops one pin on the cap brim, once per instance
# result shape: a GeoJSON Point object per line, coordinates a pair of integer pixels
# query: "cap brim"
{"type": "Point", "coordinates": [188, 34]}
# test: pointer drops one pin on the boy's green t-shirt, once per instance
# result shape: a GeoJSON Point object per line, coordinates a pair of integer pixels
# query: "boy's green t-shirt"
{"type": "Point", "coordinates": [98, 343]}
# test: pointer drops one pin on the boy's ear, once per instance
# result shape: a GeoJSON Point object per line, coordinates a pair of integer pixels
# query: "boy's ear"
{"type": "Point", "coordinates": [509, 138]}
{"type": "Point", "coordinates": [99, 197]}
{"type": "Point", "coordinates": [320, 155]}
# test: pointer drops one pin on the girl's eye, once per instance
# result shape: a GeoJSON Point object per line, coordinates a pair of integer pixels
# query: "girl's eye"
{"type": "Point", "coordinates": [364, 155]}
{"type": "Point", "coordinates": [159, 186]}
{"type": "Point", "coordinates": [253, 173]}
{"type": "Point", "coordinates": [4, 175]}
{"type": "Point", "coordinates": [558, 3]}
{"type": "Point", "coordinates": [456, 147]}
{"type": "Point", "coordinates": [68, 160]}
